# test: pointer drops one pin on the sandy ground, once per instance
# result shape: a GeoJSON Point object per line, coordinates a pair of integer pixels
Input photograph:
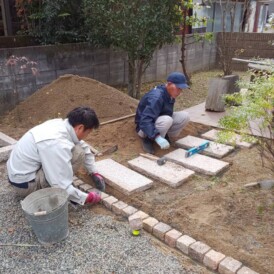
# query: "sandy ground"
{"type": "Point", "coordinates": [217, 210]}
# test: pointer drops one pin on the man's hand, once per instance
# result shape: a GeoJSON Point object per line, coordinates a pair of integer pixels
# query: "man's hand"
{"type": "Point", "coordinates": [99, 181]}
{"type": "Point", "coordinates": [93, 198]}
{"type": "Point", "coordinates": [162, 142]}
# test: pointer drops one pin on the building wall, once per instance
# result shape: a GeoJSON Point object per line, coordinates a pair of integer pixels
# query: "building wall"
{"type": "Point", "coordinates": [105, 65]}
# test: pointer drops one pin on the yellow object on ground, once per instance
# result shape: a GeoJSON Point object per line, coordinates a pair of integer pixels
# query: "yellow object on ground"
{"type": "Point", "coordinates": [135, 232]}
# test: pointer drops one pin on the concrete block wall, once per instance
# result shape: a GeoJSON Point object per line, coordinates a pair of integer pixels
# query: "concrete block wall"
{"type": "Point", "coordinates": [110, 66]}
{"type": "Point", "coordinates": [106, 65]}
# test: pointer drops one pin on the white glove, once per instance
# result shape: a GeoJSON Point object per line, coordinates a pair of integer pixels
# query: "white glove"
{"type": "Point", "coordinates": [162, 142]}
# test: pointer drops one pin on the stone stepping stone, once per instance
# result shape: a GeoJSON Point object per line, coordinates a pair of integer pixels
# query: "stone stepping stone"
{"type": "Point", "coordinates": [216, 150]}
{"type": "Point", "coordinates": [197, 162]}
{"type": "Point", "coordinates": [170, 173]}
{"type": "Point", "coordinates": [5, 140]}
{"type": "Point", "coordinates": [122, 178]}
{"type": "Point", "coordinates": [212, 135]}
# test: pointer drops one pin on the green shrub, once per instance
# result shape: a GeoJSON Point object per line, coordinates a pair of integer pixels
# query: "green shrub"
{"type": "Point", "coordinates": [256, 108]}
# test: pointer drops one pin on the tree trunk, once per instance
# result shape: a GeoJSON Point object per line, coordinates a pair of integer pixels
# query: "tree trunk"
{"type": "Point", "coordinates": [183, 48]}
{"type": "Point", "coordinates": [218, 87]}
{"type": "Point", "coordinates": [131, 89]}
{"type": "Point", "coordinates": [135, 73]}
{"type": "Point", "coordinates": [139, 79]}
{"type": "Point", "coordinates": [183, 59]}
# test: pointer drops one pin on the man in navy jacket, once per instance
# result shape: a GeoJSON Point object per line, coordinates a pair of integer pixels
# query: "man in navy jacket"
{"type": "Point", "coordinates": [155, 119]}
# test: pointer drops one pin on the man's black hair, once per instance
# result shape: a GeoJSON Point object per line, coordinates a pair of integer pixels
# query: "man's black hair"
{"type": "Point", "coordinates": [85, 116]}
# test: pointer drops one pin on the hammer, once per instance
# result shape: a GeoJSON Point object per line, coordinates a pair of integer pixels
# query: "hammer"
{"type": "Point", "coordinates": [160, 161]}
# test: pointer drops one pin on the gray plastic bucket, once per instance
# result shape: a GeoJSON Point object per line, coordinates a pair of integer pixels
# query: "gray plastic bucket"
{"type": "Point", "coordinates": [47, 212]}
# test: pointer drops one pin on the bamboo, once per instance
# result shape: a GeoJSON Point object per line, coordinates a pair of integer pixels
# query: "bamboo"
{"type": "Point", "coordinates": [117, 119]}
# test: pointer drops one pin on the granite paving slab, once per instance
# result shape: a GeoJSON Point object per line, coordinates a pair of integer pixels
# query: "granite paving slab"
{"type": "Point", "coordinates": [170, 173]}
{"type": "Point", "coordinates": [216, 150]}
{"type": "Point", "coordinates": [212, 135]}
{"type": "Point", "coordinates": [122, 178]}
{"type": "Point", "coordinates": [197, 162]}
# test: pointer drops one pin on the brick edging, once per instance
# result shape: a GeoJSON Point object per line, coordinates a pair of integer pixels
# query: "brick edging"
{"type": "Point", "coordinates": [196, 250]}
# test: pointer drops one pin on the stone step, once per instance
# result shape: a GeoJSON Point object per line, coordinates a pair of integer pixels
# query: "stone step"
{"type": "Point", "coordinates": [170, 173]}
{"type": "Point", "coordinates": [212, 135]}
{"type": "Point", "coordinates": [5, 153]}
{"type": "Point", "coordinates": [122, 178]}
{"type": "Point", "coordinates": [216, 150]}
{"type": "Point", "coordinates": [197, 162]}
{"type": "Point", "coordinates": [5, 140]}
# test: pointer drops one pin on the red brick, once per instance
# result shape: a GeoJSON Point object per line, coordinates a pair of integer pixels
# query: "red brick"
{"type": "Point", "coordinates": [229, 266]}
{"type": "Point", "coordinates": [129, 210]}
{"type": "Point", "coordinates": [246, 270]}
{"type": "Point", "coordinates": [78, 182]}
{"type": "Point", "coordinates": [117, 207]}
{"type": "Point", "coordinates": [139, 214]}
{"type": "Point", "coordinates": [198, 250]}
{"type": "Point", "coordinates": [160, 229]}
{"type": "Point", "coordinates": [85, 187]}
{"type": "Point", "coordinates": [172, 236]}
{"type": "Point", "coordinates": [109, 201]}
{"type": "Point", "coordinates": [212, 259]}
{"type": "Point", "coordinates": [149, 223]}
{"type": "Point", "coordinates": [184, 242]}
{"type": "Point", "coordinates": [103, 195]}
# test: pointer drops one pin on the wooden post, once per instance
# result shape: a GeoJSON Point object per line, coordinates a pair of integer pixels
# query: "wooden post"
{"type": "Point", "coordinates": [6, 17]}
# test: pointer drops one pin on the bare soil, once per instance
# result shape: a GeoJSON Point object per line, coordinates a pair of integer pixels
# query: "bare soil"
{"type": "Point", "coordinates": [217, 210]}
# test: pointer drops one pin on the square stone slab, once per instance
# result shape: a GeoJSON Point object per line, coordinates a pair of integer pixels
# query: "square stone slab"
{"type": "Point", "coordinates": [212, 135]}
{"type": "Point", "coordinates": [215, 149]}
{"type": "Point", "coordinates": [122, 178]}
{"type": "Point", "coordinates": [169, 173]}
{"type": "Point", "coordinates": [197, 162]}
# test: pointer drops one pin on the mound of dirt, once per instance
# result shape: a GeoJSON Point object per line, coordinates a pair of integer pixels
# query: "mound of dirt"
{"type": "Point", "coordinates": [67, 92]}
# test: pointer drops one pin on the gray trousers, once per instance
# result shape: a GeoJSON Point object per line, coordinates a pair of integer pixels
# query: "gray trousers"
{"type": "Point", "coordinates": [170, 125]}
{"type": "Point", "coordinates": [78, 158]}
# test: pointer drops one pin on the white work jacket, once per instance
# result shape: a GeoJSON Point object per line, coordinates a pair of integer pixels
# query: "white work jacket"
{"type": "Point", "coordinates": [49, 146]}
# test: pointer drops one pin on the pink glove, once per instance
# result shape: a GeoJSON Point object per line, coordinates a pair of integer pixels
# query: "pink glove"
{"type": "Point", "coordinates": [99, 181]}
{"type": "Point", "coordinates": [93, 198]}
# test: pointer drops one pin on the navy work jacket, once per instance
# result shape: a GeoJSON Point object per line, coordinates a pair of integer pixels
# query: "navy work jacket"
{"type": "Point", "coordinates": [155, 103]}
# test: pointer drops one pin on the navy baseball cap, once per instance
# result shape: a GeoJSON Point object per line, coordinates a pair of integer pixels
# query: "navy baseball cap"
{"type": "Point", "coordinates": [178, 79]}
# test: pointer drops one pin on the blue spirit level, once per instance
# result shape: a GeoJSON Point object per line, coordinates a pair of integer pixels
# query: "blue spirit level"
{"type": "Point", "coordinates": [197, 149]}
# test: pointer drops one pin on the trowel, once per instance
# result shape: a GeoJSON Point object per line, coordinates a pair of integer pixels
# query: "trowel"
{"type": "Point", "coordinates": [107, 151]}
{"type": "Point", "coordinates": [264, 184]}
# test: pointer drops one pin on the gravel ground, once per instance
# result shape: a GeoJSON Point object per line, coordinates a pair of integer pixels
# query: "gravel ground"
{"type": "Point", "coordinates": [96, 244]}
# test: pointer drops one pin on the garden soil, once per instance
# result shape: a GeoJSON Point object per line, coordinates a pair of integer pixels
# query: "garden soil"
{"type": "Point", "coordinates": [217, 210]}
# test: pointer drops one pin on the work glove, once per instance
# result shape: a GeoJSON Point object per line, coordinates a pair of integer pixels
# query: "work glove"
{"type": "Point", "coordinates": [99, 181]}
{"type": "Point", "coordinates": [162, 142]}
{"type": "Point", "coordinates": [93, 198]}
